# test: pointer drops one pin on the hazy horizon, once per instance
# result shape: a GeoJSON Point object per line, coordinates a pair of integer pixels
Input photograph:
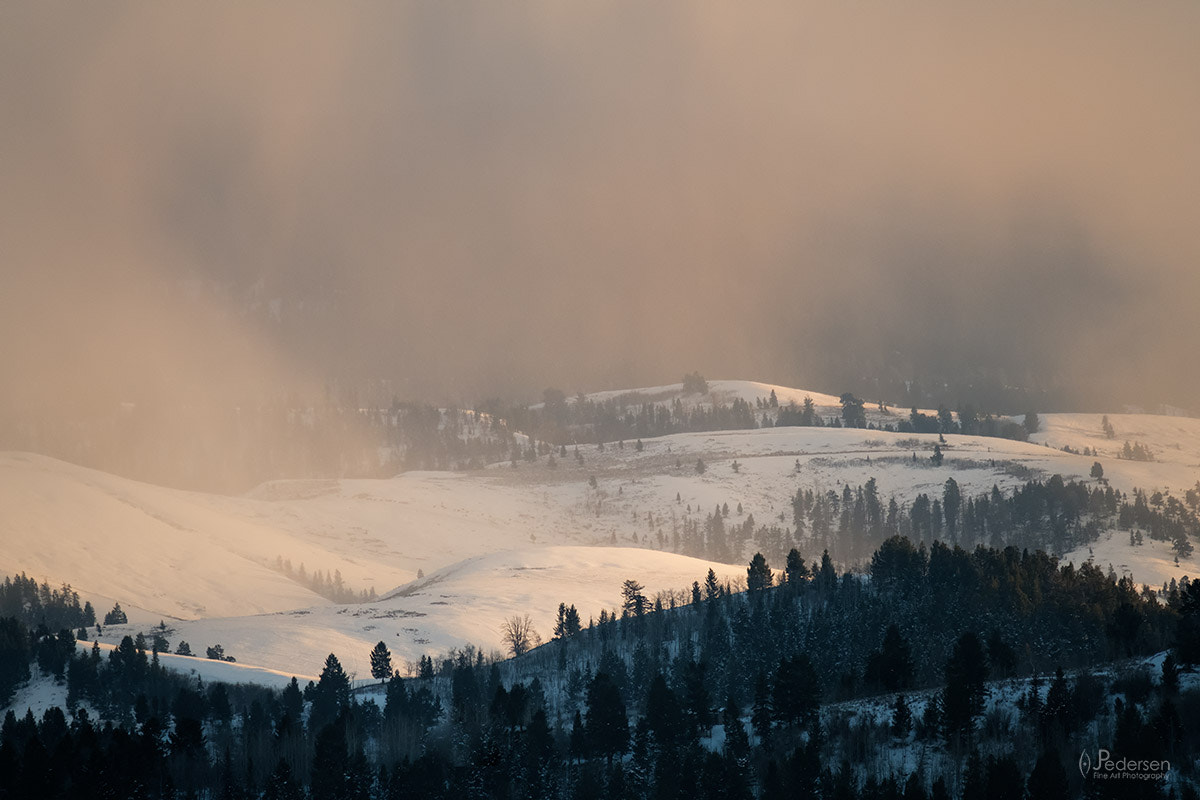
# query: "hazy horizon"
{"type": "Point", "coordinates": [461, 202]}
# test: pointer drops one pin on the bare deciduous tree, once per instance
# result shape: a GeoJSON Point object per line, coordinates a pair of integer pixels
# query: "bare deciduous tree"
{"type": "Point", "coordinates": [519, 634]}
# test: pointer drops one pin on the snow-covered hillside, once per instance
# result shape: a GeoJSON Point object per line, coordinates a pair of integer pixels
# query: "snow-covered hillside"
{"type": "Point", "coordinates": [718, 392]}
{"type": "Point", "coordinates": [464, 604]}
{"type": "Point", "coordinates": [507, 539]}
{"type": "Point", "coordinates": [1174, 442]}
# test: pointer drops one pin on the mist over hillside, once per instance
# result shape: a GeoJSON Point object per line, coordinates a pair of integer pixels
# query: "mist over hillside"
{"type": "Point", "coordinates": [599, 400]}
{"type": "Point", "coordinates": [446, 205]}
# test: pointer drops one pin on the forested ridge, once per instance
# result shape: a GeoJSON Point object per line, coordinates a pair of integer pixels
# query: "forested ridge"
{"type": "Point", "coordinates": [732, 694]}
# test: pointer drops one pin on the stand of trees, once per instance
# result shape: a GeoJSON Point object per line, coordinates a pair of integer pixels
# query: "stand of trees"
{"type": "Point", "coordinates": [632, 706]}
{"type": "Point", "coordinates": [329, 585]}
{"type": "Point", "coordinates": [34, 604]}
{"type": "Point", "coordinates": [1052, 514]}
{"type": "Point", "coordinates": [629, 707]}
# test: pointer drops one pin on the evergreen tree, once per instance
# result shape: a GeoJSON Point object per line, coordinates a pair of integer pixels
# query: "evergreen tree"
{"type": "Point", "coordinates": [1048, 780]}
{"type": "Point", "coordinates": [281, 785]}
{"type": "Point", "coordinates": [607, 720]}
{"type": "Point", "coordinates": [853, 414]}
{"type": "Point", "coordinates": [663, 714]}
{"type": "Point", "coordinates": [951, 505]}
{"type": "Point", "coordinates": [796, 695]}
{"type": "Point", "coordinates": [697, 701]}
{"type": "Point", "coordinates": [965, 690]}
{"type": "Point", "coordinates": [1187, 630]}
{"type": "Point", "coordinates": [826, 575]}
{"type": "Point", "coordinates": [292, 700]}
{"type": "Point", "coordinates": [330, 695]}
{"type": "Point", "coordinates": [116, 616]}
{"type": "Point", "coordinates": [568, 623]}
{"type": "Point", "coordinates": [758, 575]}
{"type": "Point", "coordinates": [1032, 423]}
{"type": "Point", "coordinates": [635, 603]}
{"type": "Point", "coordinates": [795, 571]}
{"type": "Point", "coordinates": [1170, 675]}
{"type": "Point", "coordinates": [1001, 656]}
{"type": "Point", "coordinates": [331, 764]}
{"type": "Point", "coordinates": [892, 665]}
{"type": "Point", "coordinates": [14, 656]}
{"type": "Point", "coordinates": [1057, 715]}
{"type": "Point", "coordinates": [578, 745]}
{"type": "Point", "coordinates": [381, 662]}
{"type": "Point", "coordinates": [737, 753]}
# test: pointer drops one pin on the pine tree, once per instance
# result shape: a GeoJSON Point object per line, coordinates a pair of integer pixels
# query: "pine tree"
{"type": "Point", "coordinates": [578, 744]}
{"type": "Point", "coordinates": [607, 721]}
{"type": "Point", "coordinates": [1057, 714]}
{"type": "Point", "coordinates": [14, 656]}
{"type": "Point", "coordinates": [331, 764]}
{"type": "Point", "coordinates": [951, 504]}
{"type": "Point", "coordinates": [795, 699]}
{"type": "Point", "coordinates": [1170, 675]}
{"type": "Point", "coordinates": [281, 785]}
{"type": "Point", "coordinates": [425, 669]}
{"type": "Point", "coordinates": [892, 665]}
{"type": "Point", "coordinates": [965, 690]}
{"type": "Point", "coordinates": [116, 616]}
{"type": "Point", "coordinates": [330, 695]}
{"type": "Point", "coordinates": [381, 662]}
{"type": "Point", "coordinates": [853, 414]}
{"type": "Point", "coordinates": [634, 600]}
{"type": "Point", "coordinates": [827, 575]}
{"type": "Point", "coordinates": [697, 701]}
{"type": "Point", "coordinates": [1048, 780]}
{"type": "Point", "coordinates": [758, 575]}
{"type": "Point", "coordinates": [737, 752]}
{"type": "Point", "coordinates": [712, 589]}
{"type": "Point", "coordinates": [663, 714]}
{"type": "Point", "coordinates": [795, 571]}
{"type": "Point", "coordinates": [292, 700]}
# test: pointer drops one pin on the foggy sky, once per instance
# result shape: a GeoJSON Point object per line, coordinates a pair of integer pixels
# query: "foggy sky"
{"type": "Point", "coordinates": [490, 198]}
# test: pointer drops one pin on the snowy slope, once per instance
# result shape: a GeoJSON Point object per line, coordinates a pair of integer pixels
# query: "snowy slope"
{"type": "Point", "coordinates": [721, 392]}
{"type": "Point", "coordinates": [504, 540]}
{"type": "Point", "coordinates": [463, 604]}
{"type": "Point", "coordinates": [163, 551]}
{"type": "Point", "coordinates": [1175, 442]}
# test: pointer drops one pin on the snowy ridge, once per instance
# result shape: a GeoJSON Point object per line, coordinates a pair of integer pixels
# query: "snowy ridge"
{"type": "Point", "coordinates": [508, 540]}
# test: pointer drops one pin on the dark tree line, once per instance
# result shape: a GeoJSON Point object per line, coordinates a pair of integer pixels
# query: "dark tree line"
{"type": "Point", "coordinates": [1053, 515]}
{"type": "Point", "coordinates": [34, 604]}
{"type": "Point", "coordinates": [329, 585]}
{"type": "Point", "coordinates": [629, 707]}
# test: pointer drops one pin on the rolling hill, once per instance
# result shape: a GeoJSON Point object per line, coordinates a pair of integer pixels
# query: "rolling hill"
{"type": "Point", "coordinates": [504, 540]}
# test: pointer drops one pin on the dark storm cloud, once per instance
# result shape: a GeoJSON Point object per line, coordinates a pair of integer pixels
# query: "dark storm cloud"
{"type": "Point", "coordinates": [491, 198]}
